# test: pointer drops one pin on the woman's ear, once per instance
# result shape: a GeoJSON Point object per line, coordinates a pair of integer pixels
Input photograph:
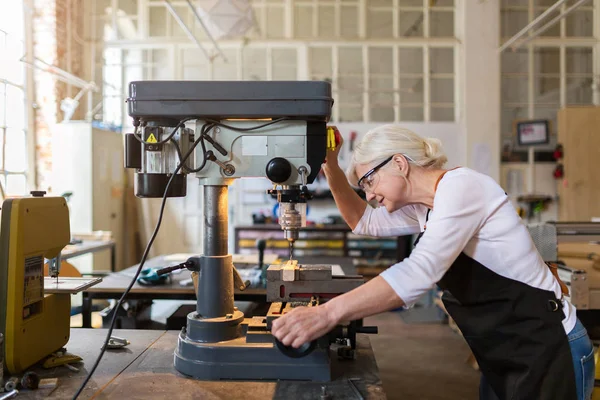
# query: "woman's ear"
{"type": "Point", "coordinates": [401, 164]}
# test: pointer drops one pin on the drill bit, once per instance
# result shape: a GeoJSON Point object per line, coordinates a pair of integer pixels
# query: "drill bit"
{"type": "Point", "coordinates": [291, 249]}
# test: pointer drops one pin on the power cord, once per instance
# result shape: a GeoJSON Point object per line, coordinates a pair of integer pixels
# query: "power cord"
{"type": "Point", "coordinates": [200, 140]}
{"type": "Point", "coordinates": [141, 266]}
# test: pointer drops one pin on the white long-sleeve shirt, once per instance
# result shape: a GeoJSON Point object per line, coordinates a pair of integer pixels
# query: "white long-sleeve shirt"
{"type": "Point", "coordinates": [471, 214]}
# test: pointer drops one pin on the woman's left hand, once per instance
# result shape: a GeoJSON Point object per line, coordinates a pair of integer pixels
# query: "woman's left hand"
{"type": "Point", "coordinates": [302, 325]}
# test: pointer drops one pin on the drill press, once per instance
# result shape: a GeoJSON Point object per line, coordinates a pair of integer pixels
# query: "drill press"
{"type": "Point", "coordinates": [269, 129]}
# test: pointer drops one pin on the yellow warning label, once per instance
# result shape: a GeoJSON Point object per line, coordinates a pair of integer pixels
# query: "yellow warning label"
{"type": "Point", "coordinates": [151, 139]}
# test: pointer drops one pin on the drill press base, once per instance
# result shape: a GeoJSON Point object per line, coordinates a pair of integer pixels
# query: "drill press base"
{"type": "Point", "coordinates": [252, 356]}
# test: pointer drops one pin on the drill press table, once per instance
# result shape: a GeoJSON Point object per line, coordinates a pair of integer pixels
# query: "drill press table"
{"type": "Point", "coordinates": [144, 370]}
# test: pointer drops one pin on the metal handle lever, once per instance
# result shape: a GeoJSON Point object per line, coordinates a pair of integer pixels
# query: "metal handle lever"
{"type": "Point", "coordinates": [238, 281]}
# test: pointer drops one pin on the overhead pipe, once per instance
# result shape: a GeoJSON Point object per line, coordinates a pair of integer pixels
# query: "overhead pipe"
{"type": "Point", "coordinates": [186, 29]}
{"type": "Point", "coordinates": [550, 24]}
{"type": "Point", "coordinates": [212, 39]}
{"type": "Point", "coordinates": [531, 25]}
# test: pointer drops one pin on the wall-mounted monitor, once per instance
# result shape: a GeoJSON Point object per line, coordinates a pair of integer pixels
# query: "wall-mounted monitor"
{"type": "Point", "coordinates": [533, 133]}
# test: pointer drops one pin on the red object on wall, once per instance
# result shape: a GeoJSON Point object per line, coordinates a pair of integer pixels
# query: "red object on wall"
{"type": "Point", "coordinates": [558, 152]}
{"type": "Point", "coordinates": [558, 172]}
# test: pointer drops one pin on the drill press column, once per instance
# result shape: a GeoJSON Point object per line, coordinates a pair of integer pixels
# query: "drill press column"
{"type": "Point", "coordinates": [215, 283]}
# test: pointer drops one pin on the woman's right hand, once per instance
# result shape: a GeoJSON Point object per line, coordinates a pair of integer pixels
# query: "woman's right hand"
{"type": "Point", "coordinates": [331, 157]}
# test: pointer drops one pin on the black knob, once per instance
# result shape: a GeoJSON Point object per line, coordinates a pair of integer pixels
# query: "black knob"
{"type": "Point", "coordinates": [279, 170]}
{"type": "Point", "coordinates": [261, 244]}
{"type": "Point", "coordinates": [38, 193]}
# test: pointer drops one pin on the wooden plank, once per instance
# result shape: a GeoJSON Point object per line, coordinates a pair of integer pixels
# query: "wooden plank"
{"type": "Point", "coordinates": [152, 376]}
{"type": "Point", "coordinates": [86, 343]}
{"type": "Point", "coordinates": [579, 190]}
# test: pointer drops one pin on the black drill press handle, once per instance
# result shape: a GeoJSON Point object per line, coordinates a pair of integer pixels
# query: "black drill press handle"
{"type": "Point", "coordinates": [261, 245]}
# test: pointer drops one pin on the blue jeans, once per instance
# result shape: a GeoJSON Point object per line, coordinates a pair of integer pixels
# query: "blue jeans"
{"type": "Point", "coordinates": [582, 351]}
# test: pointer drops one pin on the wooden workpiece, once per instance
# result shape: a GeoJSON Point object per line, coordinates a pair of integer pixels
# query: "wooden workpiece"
{"type": "Point", "coordinates": [144, 370]}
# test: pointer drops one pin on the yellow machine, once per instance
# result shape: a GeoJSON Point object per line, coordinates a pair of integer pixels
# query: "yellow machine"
{"type": "Point", "coordinates": [34, 324]}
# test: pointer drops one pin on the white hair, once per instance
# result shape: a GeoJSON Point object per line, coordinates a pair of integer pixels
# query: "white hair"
{"type": "Point", "coordinates": [385, 141]}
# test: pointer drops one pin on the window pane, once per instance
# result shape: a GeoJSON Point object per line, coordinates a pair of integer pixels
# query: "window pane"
{"type": "Point", "coordinates": [15, 107]}
{"type": "Point", "coordinates": [350, 90]}
{"type": "Point", "coordinates": [547, 60]}
{"type": "Point", "coordinates": [303, 21]}
{"type": "Point", "coordinates": [275, 22]}
{"type": "Point", "coordinates": [349, 21]}
{"type": "Point", "coordinates": [580, 24]}
{"type": "Point", "coordinates": [411, 91]}
{"type": "Point", "coordinates": [326, 21]}
{"type": "Point", "coordinates": [226, 70]}
{"type": "Point", "coordinates": [515, 61]}
{"type": "Point", "coordinates": [443, 3]}
{"type": "Point", "coordinates": [382, 114]}
{"type": "Point", "coordinates": [185, 15]}
{"type": "Point", "coordinates": [2, 102]}
{"type": "Point", "coordinates": [380, 24]}
{"type": "Point", "coordinates": [579, 90]}
{"type": "Point", "coordinates": [284, 64]}
{"type": "Point", "coordinates": [442, 114]}
{"type": "Point", "coordinates": [381, 60]}
{"type": "Point", "coordinates": [15, 151]}
{"type": "Point", "coordinates": [13, 69]}
{"type": "Point", "coordinates": [514, 89]}
{"type": "Point", "coordinates": [129, 6]}
{"type": "Point", "coordinates": [16, 185]}
{"type": "Point", "coordinates": [410, 24]}
{"type": "Point", "coordinates": [548, 113]}
{"type": "Point", "coordinates": [547, 90]}
{"type": "Point", "coordinates": [1, 148]}
{"type": "Point", "coordinates": [320, 62]}
{"type": "Point", "coordinates": [554, 30]}
{"type": "Point", "coordinates": [579, 60]}
{"type": "Point", "coordinates": [442, 90]}
{"type": "Point", "coordinates": [509, 117]}
{"type": "Point", "coordinates": [441, 60]}
{"type": "Point", "coordinates": [441, 24]}
{"type": "Point", "coordinates": [254, 64]}
{"type": "Point", "coordinates": [512, 21]}
{"type": "Point", "coordinates": [350, 60]}
{"type": "Point", "coordinates": [158, 21]}
{"type": "Point", "coordinates": [411, 114]}
{"type": "Point", "coordinates": [410, 3]}
{"type": "Point", "coordinates": [410, 60]}
{"type": "Point", "coordinates": [381, 93]}
{"type": "Point", "coordinates": [195, 73]}
{"type": "Point", "coordinates": [161, 63]}
{"type": "Point", "coordinates": [349, 114]}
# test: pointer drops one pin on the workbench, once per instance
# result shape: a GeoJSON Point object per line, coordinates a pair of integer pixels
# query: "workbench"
{"type": "Point", "coordinates": [113, 285]}
{"type": "Point", "coordinates": [144, 370]}
{"type": "Point", "coordinates": [92, 246]}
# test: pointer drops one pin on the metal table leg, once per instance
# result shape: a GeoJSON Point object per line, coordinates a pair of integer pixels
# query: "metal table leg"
{"type": "Point", "coordinates": [86, 310]}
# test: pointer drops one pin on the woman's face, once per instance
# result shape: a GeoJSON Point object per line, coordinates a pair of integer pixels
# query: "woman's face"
{"type": "Point", "coordinates": [381, 182]}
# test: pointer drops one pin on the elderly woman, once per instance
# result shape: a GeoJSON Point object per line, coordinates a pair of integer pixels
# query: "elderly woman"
{"type": "Point", "coordinates": [508, 303]}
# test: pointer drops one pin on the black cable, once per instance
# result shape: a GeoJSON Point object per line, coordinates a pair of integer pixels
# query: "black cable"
{"type": "Point", "coordinates": [181, 165]}
{"type": "Point", "coordinates": [205, 128]}
{"type": "Point", "coordinates": [142, 262]}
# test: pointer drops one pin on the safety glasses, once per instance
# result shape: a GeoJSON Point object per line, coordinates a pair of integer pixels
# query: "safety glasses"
{"type": "Point", "coordinates": [369, 180]}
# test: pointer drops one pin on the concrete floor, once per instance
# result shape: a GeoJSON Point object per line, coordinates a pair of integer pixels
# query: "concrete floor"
{"type": "Point", "coordinates": [425, 361]}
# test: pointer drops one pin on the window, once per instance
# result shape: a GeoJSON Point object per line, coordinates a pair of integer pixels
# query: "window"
{"type": "Point", "coordinates": [391, 61]}
{"type": "Point", "coordinates": [13, 122]}
{"type": "Point", "coordinates": [544, 75]}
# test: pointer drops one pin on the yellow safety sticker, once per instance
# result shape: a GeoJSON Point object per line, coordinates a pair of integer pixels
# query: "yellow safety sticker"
{"type": "Point", "coordinates": [151, 139]}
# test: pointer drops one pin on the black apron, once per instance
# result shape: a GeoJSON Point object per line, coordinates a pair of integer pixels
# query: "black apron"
{"type": "Point", "coordinates": [514, 330]}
